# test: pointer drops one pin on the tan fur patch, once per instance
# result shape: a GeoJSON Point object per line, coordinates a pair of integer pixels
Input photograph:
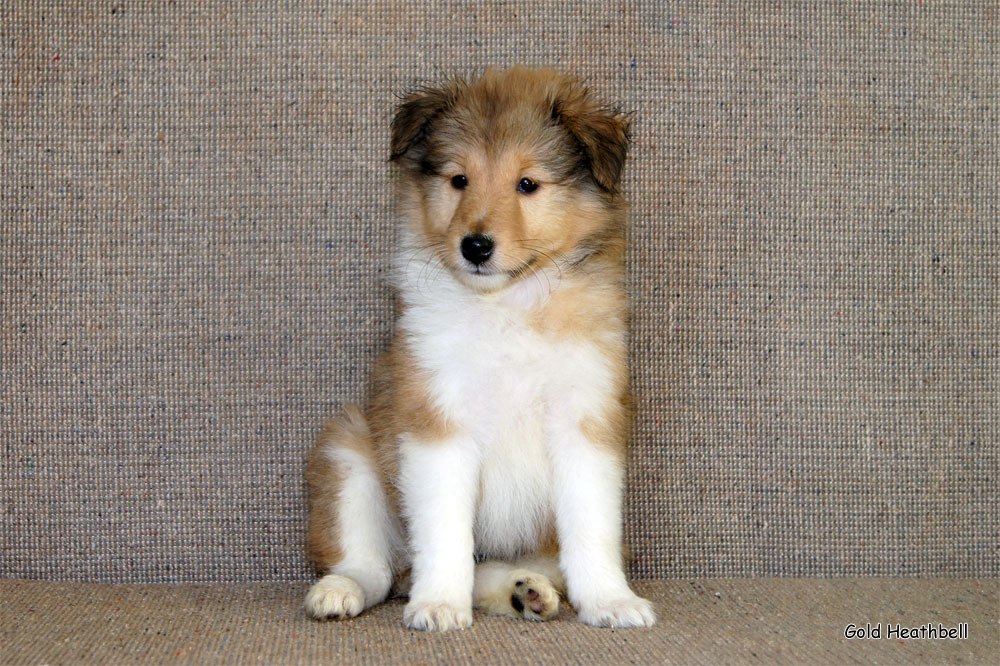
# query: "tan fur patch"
{"type": "Point", "coordinates": [610, 429]}
{"type": "Point", "coordinates": [324, 480]}
{"type": "Point", "coordinates": [402, 401]}
{"type": "Point", "coordinates": [549, 544]}
{"type": "Point", "coordinates": [583, 312]}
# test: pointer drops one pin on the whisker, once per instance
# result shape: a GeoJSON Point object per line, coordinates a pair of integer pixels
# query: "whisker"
{"type": "Point", "coordinates": [546, 254]}
{"type": "Point", "coordinates": [534, 274]}
{"type": "Point", "coordinates": [431, 263]}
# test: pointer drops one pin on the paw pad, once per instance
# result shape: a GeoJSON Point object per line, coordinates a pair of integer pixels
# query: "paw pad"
{"type": "Point", "coordinates": [534, 598]}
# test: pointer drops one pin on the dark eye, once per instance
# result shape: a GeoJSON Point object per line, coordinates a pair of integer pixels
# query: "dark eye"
{"type": "Point", "coordinates": [459, 182]}
{"type": "Point", "coordinates": [526, 186]}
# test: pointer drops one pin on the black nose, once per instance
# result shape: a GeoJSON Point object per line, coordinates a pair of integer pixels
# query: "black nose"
{"type": "Point", "coordinates": [477, 248]}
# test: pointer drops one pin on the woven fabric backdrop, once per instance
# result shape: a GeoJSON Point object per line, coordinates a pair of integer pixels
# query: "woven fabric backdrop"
{"type": "Point", "coordinates": [196, 225]}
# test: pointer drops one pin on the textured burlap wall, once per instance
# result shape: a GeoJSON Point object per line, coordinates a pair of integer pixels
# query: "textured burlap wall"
{"type": "Point", "coordinates": [196, 216]}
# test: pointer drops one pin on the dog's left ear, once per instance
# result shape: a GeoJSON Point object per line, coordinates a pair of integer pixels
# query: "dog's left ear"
{"type": "Point", "coordinates": [414, 117]}
{"type": "Point", "coordinates": [601, 132]}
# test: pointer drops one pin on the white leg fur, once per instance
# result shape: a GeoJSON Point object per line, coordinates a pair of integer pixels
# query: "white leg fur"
{"type": "Point", "coordinates": [546, 566]}
{"type": "Point", "coordinates": [438, 481]}
{"type": "Point", "coordinates": [588, 500]}
{"type": "Point", "coordinates": [369, 538]}
{"type": "Point", "coordinates": [502, 588]}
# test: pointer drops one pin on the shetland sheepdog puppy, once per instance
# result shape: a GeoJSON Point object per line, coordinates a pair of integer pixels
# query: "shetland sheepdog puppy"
{"type": "Point", "coordinates": [487, 469]}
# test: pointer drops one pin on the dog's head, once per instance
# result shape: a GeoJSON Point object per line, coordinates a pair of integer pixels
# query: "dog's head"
{"type": "Point", "coordinates": [509, 173]}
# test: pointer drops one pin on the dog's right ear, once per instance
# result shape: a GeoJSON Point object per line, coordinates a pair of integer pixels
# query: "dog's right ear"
{"type": "Point", "coordinates": [414, 117]}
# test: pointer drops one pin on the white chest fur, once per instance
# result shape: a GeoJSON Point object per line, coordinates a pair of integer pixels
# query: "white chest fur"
{"type": "Point", "coordinates": [509, 387]}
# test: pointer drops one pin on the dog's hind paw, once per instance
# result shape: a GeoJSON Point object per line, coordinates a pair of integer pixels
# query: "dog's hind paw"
{"type": "Point", "coordinates": [533, 596]}
{"type": "Point", "coordinates": [334, 597]}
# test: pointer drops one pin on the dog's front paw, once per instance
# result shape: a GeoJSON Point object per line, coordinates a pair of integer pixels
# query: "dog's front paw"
{"type": "Point", "coordinates": [533, 596]}
{"type": "Point", "coordinates": [334, 597]}
{"type": "Point", "coordinates": [431, 616]}
{"type": "Point", "coordinates": [630, 611]}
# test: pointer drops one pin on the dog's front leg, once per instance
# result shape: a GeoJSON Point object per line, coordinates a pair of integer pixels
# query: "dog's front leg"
{"type": "Point", "coordinates": [438, 481]}
{"type": "Point", "coordinates": [589, 482]}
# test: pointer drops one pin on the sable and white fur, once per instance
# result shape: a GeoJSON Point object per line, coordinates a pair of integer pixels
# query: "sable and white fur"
{"type": "Point", "coordinates": [489, 462]}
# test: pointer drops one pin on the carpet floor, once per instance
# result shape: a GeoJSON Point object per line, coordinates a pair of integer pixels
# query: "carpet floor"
{"type": "Point", "coordinates": [702, 621]}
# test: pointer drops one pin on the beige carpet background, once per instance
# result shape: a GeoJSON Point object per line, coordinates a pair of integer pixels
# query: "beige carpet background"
{"type": "Point", "coordinates": [196, 220]}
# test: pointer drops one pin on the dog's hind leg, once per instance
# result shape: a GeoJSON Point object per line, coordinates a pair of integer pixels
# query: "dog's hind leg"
{"type": "Point", "coordinates": [527, 589]}
{"type": "Point", "coordinates": [353, 536]}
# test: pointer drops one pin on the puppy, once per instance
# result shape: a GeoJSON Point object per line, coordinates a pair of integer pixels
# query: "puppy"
{"type": "Point", "coordinates": [490, 460]}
